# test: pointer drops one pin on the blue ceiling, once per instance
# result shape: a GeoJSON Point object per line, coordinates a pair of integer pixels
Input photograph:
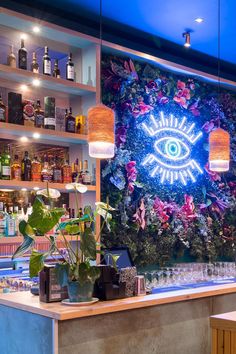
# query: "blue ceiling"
{"type": "Point", "coordinates": [168, 19]}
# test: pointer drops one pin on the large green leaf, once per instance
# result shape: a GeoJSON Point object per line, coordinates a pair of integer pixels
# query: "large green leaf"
{"type": "Point", "coordinates": [88, 243]}
{"type": "Point", "coordinates": [62, 273]}
{"type": "Point", "coordinates": [64, 224]}
{"type": "Point", "coordinates": [88, 273]}
{"type": "Point", "coordinates": [36, 263]}
{"type": "Point", "coordinates": [42, 219]}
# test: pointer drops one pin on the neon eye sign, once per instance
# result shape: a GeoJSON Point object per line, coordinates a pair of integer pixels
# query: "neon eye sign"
{"type": "Point", "coordinates": [171, 159]}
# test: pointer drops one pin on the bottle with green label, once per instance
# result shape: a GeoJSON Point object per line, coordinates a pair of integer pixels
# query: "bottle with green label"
{"type": "Point", "coordinates": [6, 164]}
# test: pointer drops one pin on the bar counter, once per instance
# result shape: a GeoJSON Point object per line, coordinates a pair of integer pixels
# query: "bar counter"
{"type": "Point", "coordinates": [174, 322]}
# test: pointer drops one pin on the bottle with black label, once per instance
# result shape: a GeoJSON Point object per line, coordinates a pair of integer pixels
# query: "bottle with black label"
{"type": "Point", "coordinates": [22, 56]}
{"type": "Point", "coordinates": [57, 172]}
{"type": "Point", "coordinates": [70, 122]}
{"type": "Point", "coordinates": [49, 113]}
{"type": "Point", "coordinates": [11, 58]}
{"type": "Point", "coordinates": [56, 71]}
{"type": "Point", "coordinates": [2, 110]}
{"type": "Point", "coordinates": [70, 69]}
{"type": "Point", "coordinates": [46, 62]}
{"type": "Point", "coordinates": [34, 64]}
{"type": "Point", "coordinates": [26, 168]}
{"type": "Point", "coordinates": [6, 164]}
{"type": "Point", "coordinates": [46, 173]}
{"type": "Point", "coordinates": [38, 115]}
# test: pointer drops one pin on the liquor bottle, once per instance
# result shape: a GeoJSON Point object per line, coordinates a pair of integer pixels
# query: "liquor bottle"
{"type": "Point", "coordinates": [46, 62]}
{"type": "Point", "coordinates": [57, 172]}
{"type": "Point", "coordinates": [80, 178]}
{"type": "Point", "coordinates": [11, 58]}
{"type": "Point", "coordinates": [22, 56]}
{"type": "Point", "coordinates": [38, 115]}
{"type": "Point", "coordinates": [77, 125]}
{"type": "Point", "coordinates": [10, 224]}
{"type": "Point", "coordinates": [2, 220]}
{"type": "Point", "coordinates": [49, 113]}
{"type": "Point", "coordinates": [2, 110]}
{"type": "Point", "coordinates": [74, 173]}
{"type": "Point", "coordinates": [70, 122]}
{"type": "Point", "coordinates": [56, 71]}
{"type": "Point", "coordinates": [34, 64]}
{"type": "Point", "coordinates": [36, 170]}
{"type": "Point", "coordinates": [16, 169]}
{"type": "Point", "coordinates": [46, 173]}
{"type": "Point", "coordinates": [86, 175]}
{"type": "Point", "coordinates": [26, 168]}
{"type": "Point", "coordinates": [70, 69]}
{"type": "Point", "coordinates": [66, 172]}
{"type": "Point", "coordinates": [6, 164]}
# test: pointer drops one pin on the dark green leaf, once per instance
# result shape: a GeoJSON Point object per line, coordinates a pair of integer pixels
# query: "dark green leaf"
{"type": "Point", "coordinates": [36, 263]}
{"type": "Point", "coordinates": [62, 272]}
{"type": "Point", "coordinates": [88, 243]}
{"type": "Point", "coordinates": [72, 229]}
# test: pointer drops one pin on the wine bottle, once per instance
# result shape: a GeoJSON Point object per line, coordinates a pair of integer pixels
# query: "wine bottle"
{"type": "Point", "coordinates": [26, 168]}
{"type": "Point", "coordinates": [46, 62]}
{"type": "Point", "coordinates": [70, 69]}
{"type": "Point", "coordinates": [22, 56]}
{"type": "Point", "coordinates": [2, 110]}
{"type": "Point", "coordinates": [34, 64]}
{"type": "Point", "coordinates": [70, 122]}
{"type": "Point", "coordinates": [49, 113]}
{"type": "Point", "coordinates": [11, 58]}
{"type": "Point", "coordinates": [56, 71]}
{"type": "Point", "coordinates": [38, 115]}
{"type": "Point", "coordinates": [6, 164]}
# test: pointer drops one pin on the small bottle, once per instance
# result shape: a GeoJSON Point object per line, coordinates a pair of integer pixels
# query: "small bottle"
{"type": "Point", "coordinates": [2, 220]}
{"type": "Point", "coordinates": [86, 175]}
{"type": "Point", "coordinates": [16, 169]}
{"type": "Point", "coordinates": [10, 224]}
{"type": "Point", "coordinates": [34, 64]}
{"type": "Point", "coordinates": [36, 170]}
{"type": "Point", "coordinates": [56, 71]}
{"type": "Point", "coordinates": [70, 69]}
{"type": "Point", "coordinates": [57, 172]}
{"type": "Point", "coordinates": [66, 172]}
{"type": "Point", "coordinates": [46, 173]}
{"type": "Point", "coordinates": [26, 168]}
{"type": "Point", "coordinates": [77, 125]}
{"type": "Point", "coordinates": [2, 110]}
{"type": "Point", "coordinates": [38, 115]}
{"type": "Point", "coordinates": [74, 174]}
{"type": "Point", "coordinates": [11, 58]}
{"type": "Point", "coordinates": [6, 164]}
{"type": "Point", "coordinates": [70, 122]}
{"type": "Point", "coordinates": [80, 178]}
{"type": "Point", "coordinates": [46, 62]}
{"type": "Point", "coordinates": [22, 56]}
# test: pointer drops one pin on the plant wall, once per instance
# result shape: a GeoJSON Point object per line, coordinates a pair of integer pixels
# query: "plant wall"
{"type": "Point", "coordinates": [169, 205]}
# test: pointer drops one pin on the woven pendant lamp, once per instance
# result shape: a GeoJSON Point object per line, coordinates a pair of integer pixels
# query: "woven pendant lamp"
{"type": "Point", "coordinates": [101, 136]}
{"type": "Point", "coordinates": [219, 150]}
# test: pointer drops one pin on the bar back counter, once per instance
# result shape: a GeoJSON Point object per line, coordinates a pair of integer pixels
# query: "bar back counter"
{"type": "Point", "coordinates": [175, 323]}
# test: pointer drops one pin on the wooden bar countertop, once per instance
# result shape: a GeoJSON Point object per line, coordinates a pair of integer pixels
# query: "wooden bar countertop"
{"type": "Point", "coordinates": [224, 321]}
{"type": "Point", "coordinates": [28, 302]}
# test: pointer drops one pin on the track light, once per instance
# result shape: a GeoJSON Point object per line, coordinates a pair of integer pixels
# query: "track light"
{"type": "Point", "coordinates": [187, 43]}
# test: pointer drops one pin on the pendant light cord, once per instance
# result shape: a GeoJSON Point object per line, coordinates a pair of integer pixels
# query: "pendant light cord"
{"type": "Point", "coordinates": [219, 53]}
{"type": "Point", "coordinates": [100, 37]}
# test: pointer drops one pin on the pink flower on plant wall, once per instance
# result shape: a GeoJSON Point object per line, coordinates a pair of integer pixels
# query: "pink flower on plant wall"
{"type": "Point", "coordinates": [141, 108]}
{"type": "Point", "coordinates": [121, 134]}
{"type": "Point", "coordinates": [159, 208]}
{"type": "Point", "coordinates": [188, 209]}
{"type": "Point", "coordinates": [182, 95]}
{"type": "Point", "coordinates": [208, 126]}
{"type": "Point", "coordinates": [139, 216]}
{"type": "Point", "coordinates": [131, 175]}
{"type": "Point", "coordinates": [161, 98]}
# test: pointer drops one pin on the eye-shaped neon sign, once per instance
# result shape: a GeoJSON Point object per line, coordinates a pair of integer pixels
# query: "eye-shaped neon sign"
{"type": "Point", "coordinates": [173, 145]}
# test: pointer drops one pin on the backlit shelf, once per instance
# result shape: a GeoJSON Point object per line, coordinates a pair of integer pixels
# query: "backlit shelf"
{"type": "Point", "coordinates": [29, 186]}
{"type": "Point", "coordinates": [39, 239]}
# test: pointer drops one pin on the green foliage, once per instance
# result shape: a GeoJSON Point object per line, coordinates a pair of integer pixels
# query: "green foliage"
{"type": "Point", "coordinates": [36, 263]}
{"type": "Point", "coordinates": [88, 244]}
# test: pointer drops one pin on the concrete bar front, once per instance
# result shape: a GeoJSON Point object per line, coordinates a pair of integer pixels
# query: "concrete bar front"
{"type": "Point", "coordinates": [172, 323]}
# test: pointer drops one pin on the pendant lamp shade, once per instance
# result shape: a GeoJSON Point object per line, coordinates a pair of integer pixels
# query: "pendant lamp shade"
{"type": "Point", "coordinates": [101, 136]}
{"type": "Point", "coordinates": [219, 150]}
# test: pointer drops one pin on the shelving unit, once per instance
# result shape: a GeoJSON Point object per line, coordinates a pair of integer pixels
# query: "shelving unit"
{"type": "Point", "coordinates": [79, 95]}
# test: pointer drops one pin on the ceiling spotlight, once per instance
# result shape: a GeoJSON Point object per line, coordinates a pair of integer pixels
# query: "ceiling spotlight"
{"type": "Point", "coordinates": [36, 82]}
{"type": "Point", "coordinates": [187, 43]}
{"type": "Point", "coordinates": [23, 87]}
{"type": "Point", "coordinates": [199, 19]}
{"type": "Point", "coordinates": [36, 29]}
{"type": "Point", "coordinates": [36, 135]}
{"type": "Point", "coordinates": [23, 36]}
{"type": "Point", "coordinates": [24, 139]}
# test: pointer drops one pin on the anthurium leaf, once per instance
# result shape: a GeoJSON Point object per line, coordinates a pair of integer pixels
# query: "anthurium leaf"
{"type": "Point", "coordinates": [36, 263]}
{"type": "Point", "coordinates": [42, 219]}
{"type": "Point", "coordinates": [72, 229]}
{"type": "Point", "coordinates": [83, 272]}
{"type": "Point", "coordinates": [88, 243]}
{"type": "Point", "coordinates": [94, 273]}
{"type": "Point", "coordinates": [26, 245]}
{"type": "Point", "coordinates": [85, 218]}
{"type": "Point", "coordinates": [62, 273]}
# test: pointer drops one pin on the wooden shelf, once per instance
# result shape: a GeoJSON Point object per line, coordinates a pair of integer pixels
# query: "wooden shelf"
{"type": "Point", "coordinates": [18, 185]}
{"type": "Point", "coordinates": [46, 82]}
{"type": "Point", "coordinates": [52, 137]}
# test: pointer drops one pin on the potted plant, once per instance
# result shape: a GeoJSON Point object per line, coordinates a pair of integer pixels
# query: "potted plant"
{"type": "Point", "coordinates": [75, 269]}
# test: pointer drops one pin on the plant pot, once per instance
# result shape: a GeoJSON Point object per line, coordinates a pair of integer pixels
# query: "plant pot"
{"type": "Point", "coordinates": [80, 292]}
